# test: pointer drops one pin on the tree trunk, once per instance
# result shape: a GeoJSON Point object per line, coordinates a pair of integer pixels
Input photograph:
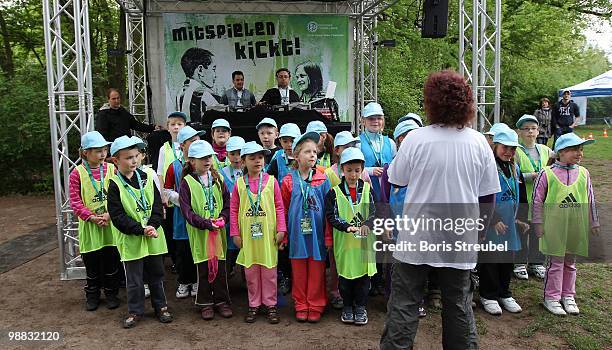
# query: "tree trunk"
{"type": "Point", "coordinates": [120, 61]}
{"type": "Point", "coordinates": [6, 57]}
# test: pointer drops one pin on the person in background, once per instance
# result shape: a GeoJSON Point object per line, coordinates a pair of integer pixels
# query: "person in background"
{"type": "Point", "coordinates": [494, 128]}
{"type": "Point", "coordinates": [282, 94]}
{"type": "Point", "coordinates": [565, 115]}
{"type": "Point", "coordinates": [323, 154]}
{"type": "Point", "coordinates": [221, 132]}
{"type": "Point", "coordinates": [113, 120]}
{"type": "Point", "coordinates": [238, 97]}
{"type": "Point", "coordinates": [544, 114]}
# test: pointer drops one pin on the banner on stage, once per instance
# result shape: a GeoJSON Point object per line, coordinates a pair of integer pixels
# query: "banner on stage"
{"type": "Point", "coordinates": [202, 51]}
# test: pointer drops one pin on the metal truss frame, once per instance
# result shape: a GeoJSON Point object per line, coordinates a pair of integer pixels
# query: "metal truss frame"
{"type": "Point", "coordinates": [70, 88]}
{"type": "Point", "coordinates": [480, 57]}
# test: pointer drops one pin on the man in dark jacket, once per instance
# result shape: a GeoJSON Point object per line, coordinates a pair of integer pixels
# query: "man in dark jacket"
{"type": "Point", "coordinates": [565, 115]}
{"type": "Point", "coordinates": [281, 94]}
{"type": "Point", "coordinates": [113, 121]}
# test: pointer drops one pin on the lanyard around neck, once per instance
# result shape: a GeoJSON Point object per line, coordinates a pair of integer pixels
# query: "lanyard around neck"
{"type": "Point", "coordinates": [377, 155]}
{"type": "Point", "coordinates": [305, 189]}
{"type": "Point", "coordinates": [536, 167]}
{"type": "Point", "coordinates": [208, 194]}
{"type": "Point", "coordinates": [99, 192]}
{"type": "Point", "coordinates": [142, 203]}
{"type": "Point", "coordinates": [350, 199]}
{"type": "Point", "coordinates": [254, 205]}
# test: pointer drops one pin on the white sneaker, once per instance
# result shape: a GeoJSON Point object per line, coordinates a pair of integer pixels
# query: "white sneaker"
{"type": "Point", "coordinates": [537, 270]}
{"type": "Point", "coordinates": [491, 306]}
{"type": "Point", "coordinates": [554, 307]}
{"type": "Point", "coordinates": [511, 305]}
{"type": "Point", "coordinates": [147, 291]}
{"type": "Point", "coordinates": [182, 291]}
{"type": "Point", "coordinates": [520, 272]}
{"type": "Point", "coordinates": [570, 306]}
{"type": "Point", "coordinates": [194, 289]}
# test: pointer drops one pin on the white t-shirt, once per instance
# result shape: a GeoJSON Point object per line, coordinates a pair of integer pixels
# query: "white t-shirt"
{"type": "Point", "coordinates": [443, 165]}
{"type": "Point", "coordinates": [162, 156]}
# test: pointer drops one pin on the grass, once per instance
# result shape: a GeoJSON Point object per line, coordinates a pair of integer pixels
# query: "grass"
{"type": "Point", "coordinates": [592, 328]}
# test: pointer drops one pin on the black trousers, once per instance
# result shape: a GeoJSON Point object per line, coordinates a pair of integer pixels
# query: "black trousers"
{"type": "Point", "coordinates": [530, 250]}
{"type": "Point", "coordinates": [284, 264]}
{"type": "Point", "coordinates": [167, 225]}
{"type": "Point", "coordinates": [151, 270]}
{"type": "Point", "coordinates": [495, 280]}
{"type": "Point", "coordinates": [102, 268]}
{"type": "Point", "coordinates": [354, 292]}
{"type": "Point", "coordinates": [187, 272]}
{"type": "Point", "coordinates": [407, 288]}
{"type": "Point", "coordinates": [213, 293]}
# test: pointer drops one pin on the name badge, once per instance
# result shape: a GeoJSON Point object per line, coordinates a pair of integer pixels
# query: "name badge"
{"type": "Point", "coordinates": [306, 226]}
{"type": "Point", "coordinates": [256, 231]}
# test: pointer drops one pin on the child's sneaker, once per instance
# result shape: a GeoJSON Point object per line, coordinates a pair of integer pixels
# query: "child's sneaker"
{"type": "Point", "coordinates": [251, 315]}
{"type": "Point", "coordinates": [163, 315]}
{"type": "Point", "coordinates": [301, 316]}
{"type": "Point", "coordinates": [130, 321]}
{"type": "Point", "coordinates": [491, 306]}
{"type": "Point", "coordinates": [422, 310]}
{"type": "Point", "coordinates": [208, 313]}
{"type": "Point", "coordinates": [92, 303]}
{"type": "Point", "coordinates": [520, 271]}
{"type": "Point", "coordinates": [510, 305]}
{"type": "Point", "coordinates": [314, 316]}
{"type": "Point", "coordinates": [570, 306]}
{"type": "Point", "coordinates": [194, 289]}
{"type": "Point", "coordinates": [225, 310]}
{"type": "Point", "coordinates": [554, 306]}
{"type": "Point", "coordinates": [537, 270]}
{"type": "Point", "coordinates": [347, 315]}
{"type": "Point", "coordinates": [147, 291]}
{"type": "Point", "coordinates": [182, 291]}
{"type": "Point", "coordinates": [361, 316]}
{"type": "Point", "coordinates": [273, 315]}
{"type": "Point", "coordinates": [337, 303]}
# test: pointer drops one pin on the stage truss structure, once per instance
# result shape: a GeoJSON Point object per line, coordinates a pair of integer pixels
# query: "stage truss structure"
{"type": "Point", "coordinates": [70, 90]}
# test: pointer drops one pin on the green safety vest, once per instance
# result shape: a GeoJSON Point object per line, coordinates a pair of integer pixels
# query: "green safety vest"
{"type": "Point", "coordinates": [169, 157]}
{"type": "Point", "coordinates": [566, 216]}
{"type": "Point", "coordinates": [528, 165]}
{"type": "Point", "coordinates": [262, 251]}
{"type": "Point", "coordinates": [133, 247]}
{"type": "Point", "coordinates": [91, 236]}
{"type": "Point", "coordinates": [198, 238]}
{"type": "Point", "coordinates": [355, 257]}
{"type": "Point", "coordinates": [334, 178]}
{"type": "Point", "coordinates": [218, 165]}
{"type": "Point", "coordinates": [324, 161]}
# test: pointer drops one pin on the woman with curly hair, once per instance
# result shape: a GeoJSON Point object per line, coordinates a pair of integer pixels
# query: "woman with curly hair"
{"type": "Point", "coordinates": [446, 162]}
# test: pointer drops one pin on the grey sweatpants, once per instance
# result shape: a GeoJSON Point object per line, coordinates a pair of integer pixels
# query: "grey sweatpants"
{"type": "Point", "coordinates": [149, 269]}
{"type": "Point", "coordinates": [407, 288]}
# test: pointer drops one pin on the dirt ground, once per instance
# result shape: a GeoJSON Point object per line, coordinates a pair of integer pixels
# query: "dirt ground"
{"type": "Point", "coordinates": [23, 214]}
{"type": "Point", "coordinates": [34, 299]}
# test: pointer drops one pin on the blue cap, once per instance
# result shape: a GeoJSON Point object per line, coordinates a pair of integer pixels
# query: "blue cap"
{"type": "Point", "coordinates": [234, 143]}
{"type": "Point", "coordinates": [221, 123]}
{"type": "Point", "coordinates": [126, 142]}
{"type": "Point", "coordinates": [507, 137]}
{"type": "Point", "coordinates": [316, 126]}
{"type": "Point", "coordinates": [496, 127]}
{"type": "Point", "coordinates": [266, 121]}
{"type": "Point", "coordinates": [188, 132]}
{"type": "Point", "coordinates": [404, 127]}
{"type": "Point", "coordinates": [570, 140]}
{"type": "Point", "coordinates": [290, 130]}
{"type": "Point", "coordinates": [177, 114]}
{"type": "Point", "coordinates": [309, 135]}
{"type": "Point", "coordinates": [412, 116]}
{"type": "Point", "coordinates": [200, 149]}
{"type": "Point", "coordinates": [343, 138]}
{"type": "Point", "coordinates": [351, 153]}
{"type": "Point", "coordinates": [93, 139]}
{"type": "Point", "coordinates": [372, 109]}
{"type": "Point", "coordinates": [526, 118]}
{"type": "Point", "coordinates": [253, 147]}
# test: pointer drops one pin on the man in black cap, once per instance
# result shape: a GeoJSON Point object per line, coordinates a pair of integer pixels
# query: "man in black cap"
{"type": "Point", "coordinates": [565, 115]}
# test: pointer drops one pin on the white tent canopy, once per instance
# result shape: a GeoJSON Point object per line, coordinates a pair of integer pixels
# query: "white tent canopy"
{"type": "Point", "coordinates": [600, 86]}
